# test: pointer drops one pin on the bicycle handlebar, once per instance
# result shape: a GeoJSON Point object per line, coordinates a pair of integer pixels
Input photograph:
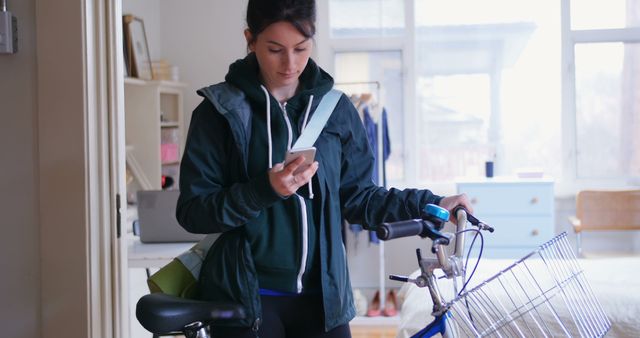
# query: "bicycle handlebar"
{"type": "Point", "coordinates": [414, 227]}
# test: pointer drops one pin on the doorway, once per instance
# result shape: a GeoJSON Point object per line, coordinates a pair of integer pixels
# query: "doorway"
{"type": "Point", "coordinates": [184, 56]}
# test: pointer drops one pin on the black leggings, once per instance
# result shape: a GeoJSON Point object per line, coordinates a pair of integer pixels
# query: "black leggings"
{"type": "Point", "coordinates": [290, 317]}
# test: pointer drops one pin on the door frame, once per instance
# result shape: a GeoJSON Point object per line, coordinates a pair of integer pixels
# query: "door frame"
{"type": "Point", "coordinates": [80, 156]}
{"type": "Point", "coordinates": [117, 160]}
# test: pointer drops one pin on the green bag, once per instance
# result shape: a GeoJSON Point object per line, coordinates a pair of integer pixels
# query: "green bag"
{"type": "Point", "coordinates": [179, 277]}
{"type": "Point", "coordinates": [173, 279]}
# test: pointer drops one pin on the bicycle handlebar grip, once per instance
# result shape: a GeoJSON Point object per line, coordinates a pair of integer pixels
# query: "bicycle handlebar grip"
{"type": "Point", "coordinates": [460, 207]}
{"type": "Point", "coordinates": [387, 231]}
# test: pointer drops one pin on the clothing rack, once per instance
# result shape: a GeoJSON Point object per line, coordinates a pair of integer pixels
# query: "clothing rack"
{"type": "Point", "coordinates": [382, 179]}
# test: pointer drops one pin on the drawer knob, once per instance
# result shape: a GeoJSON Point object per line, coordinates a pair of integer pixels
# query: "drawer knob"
{"type": "Point", "coordinates": [534, 200]}
{"type": "Point", "coordinates": [535, 232]}
{"type": "Point", "coordinates": [474, 200]}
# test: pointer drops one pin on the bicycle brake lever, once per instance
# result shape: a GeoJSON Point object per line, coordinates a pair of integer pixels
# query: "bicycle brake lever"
{"type": "Point", "coordinates": [473, 220]}
{"type": "Point", "coordinates": [438, 242]}
{"type": "Point", "coordinates": [420, 281]}
{"type": "Point", "coordinates": [399, 278]}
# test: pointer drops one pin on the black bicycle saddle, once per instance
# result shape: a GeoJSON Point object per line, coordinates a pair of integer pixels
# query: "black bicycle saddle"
{"type": "Point", "coordinates": [162, 314]}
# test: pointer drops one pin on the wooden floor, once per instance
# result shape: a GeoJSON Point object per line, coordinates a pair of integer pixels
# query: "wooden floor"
{"type": "Point", "coordinates": [359, 332]}
{"type": "Point", "coordinates": [373, 332]}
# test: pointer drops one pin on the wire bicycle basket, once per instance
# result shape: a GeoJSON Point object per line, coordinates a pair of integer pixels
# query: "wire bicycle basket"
{"type": "Point", "coordinates": [543, 294]}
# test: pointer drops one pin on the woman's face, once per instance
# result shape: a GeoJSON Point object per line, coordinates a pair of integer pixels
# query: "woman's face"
{"type": "Point", "coordinates": [282, 53]}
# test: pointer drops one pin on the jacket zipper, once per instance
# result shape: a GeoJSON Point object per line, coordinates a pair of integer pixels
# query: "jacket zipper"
{"type": "Point", "coordinates": [303, 211]}
{"type": "Point", "coordinates": [286, 119]}
{"type": "Point", "coordinates": [305, 242]}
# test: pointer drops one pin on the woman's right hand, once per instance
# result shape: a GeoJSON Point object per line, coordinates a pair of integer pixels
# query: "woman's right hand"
{"type": "Point", "coordinates": [451, 202]}
{"type": "Point", "coordinates": [284, 182]}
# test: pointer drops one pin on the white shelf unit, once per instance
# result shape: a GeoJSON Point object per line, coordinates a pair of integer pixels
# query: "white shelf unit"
{"type": "Point", "coordinates": [520, 210]}
{"type": "Point", "coordinates": [154, 124]}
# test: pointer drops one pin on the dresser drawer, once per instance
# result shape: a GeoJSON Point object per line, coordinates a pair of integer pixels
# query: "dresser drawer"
{"type": "Point", "coordinates": [509, 199]}
{"type": "Point", "coordinates": [519, 231]}
{"type": "Point", "coordinates": [513, 237]}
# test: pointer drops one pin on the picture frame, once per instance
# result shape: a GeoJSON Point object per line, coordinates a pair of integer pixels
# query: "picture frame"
{"type": "Point", "coordinates": [136, 48]}
{"type": "Point", "coordinates": [126, 50]}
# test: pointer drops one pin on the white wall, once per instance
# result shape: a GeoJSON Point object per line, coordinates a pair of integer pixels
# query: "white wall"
{"type": "Point", "coordinates": [201, 37]}
{"type": "Point", "coordinates": [19, 242]}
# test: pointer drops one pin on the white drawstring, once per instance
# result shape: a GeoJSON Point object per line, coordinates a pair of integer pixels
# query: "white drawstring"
{"type": "Point", "coordinates": [303, 206]}
{"type": "Point", "coordinates": [306, 114]}
{"type": "Point", "coordinates": [304, 125]}
{"type": "Point", "coordinates": [269, 141]}
{"type": "Point", "coordinates": [283, 107]}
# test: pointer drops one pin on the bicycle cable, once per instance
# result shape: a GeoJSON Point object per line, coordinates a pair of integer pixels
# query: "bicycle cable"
{"type": "Point", "coordinates": [464, 286]}
{"type": "Point", "coordinates": [477, 233]}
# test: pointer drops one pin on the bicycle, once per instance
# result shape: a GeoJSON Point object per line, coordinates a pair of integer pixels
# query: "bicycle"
{"type": "Point", "coordinates": [163, 314]}
{"type": "Point", "coordinates": [513, 303]}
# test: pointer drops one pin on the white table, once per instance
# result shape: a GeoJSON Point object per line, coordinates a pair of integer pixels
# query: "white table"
{"type": "Point", "coordinates": [153, 255]}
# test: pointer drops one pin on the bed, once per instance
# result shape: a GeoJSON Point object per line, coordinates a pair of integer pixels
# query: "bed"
{"type": "Point", "coordinates": [614, 280]}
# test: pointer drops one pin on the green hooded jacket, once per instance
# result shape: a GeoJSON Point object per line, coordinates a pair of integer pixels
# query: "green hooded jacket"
{"type": "Point", "coordinates": [224, 190]}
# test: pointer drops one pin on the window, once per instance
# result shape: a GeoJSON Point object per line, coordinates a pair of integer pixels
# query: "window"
{"type": "Point", "coordinates": [525, 83]}
{"type": "Point", "coordinates": [487, 87]}
{"type": "Point", "coordinates": [602, 109]}
{"type": "Point", "coordinates": [598, 14]}
{"type": "Point", "coordinates": [607, 103]}
{"type": "Point", "coordinates": [472, 72]}
{"type": "Point", "coordinates": [366, 18]}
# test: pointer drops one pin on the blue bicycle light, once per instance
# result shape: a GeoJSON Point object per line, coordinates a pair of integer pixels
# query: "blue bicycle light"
{"type": "Point", "coordinates": [437, 212]}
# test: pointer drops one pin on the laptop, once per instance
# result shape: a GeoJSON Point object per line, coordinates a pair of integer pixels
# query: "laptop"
{"type": "Point", "coordinates": [157, 218]}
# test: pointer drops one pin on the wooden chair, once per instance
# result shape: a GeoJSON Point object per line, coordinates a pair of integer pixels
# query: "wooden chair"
{"type": "Point", "coordinates": [604, 211]}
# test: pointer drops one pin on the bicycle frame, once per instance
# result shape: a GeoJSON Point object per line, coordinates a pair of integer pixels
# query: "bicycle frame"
{"type": "Point", "coordinates": [518, 301]}
{"type": "Point", "coordinates": [452, 267]}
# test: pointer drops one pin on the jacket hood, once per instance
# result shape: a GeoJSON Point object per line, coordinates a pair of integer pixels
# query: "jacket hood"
{"type": "Point", "coordinates": [245, 75]}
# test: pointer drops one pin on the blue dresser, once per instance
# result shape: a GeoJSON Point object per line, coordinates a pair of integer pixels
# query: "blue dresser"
{"type": "Point", "coordinates": [521, 211]}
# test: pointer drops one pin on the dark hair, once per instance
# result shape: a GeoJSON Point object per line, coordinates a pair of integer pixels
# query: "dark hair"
{"type": "Point", "coordinates": [300, 13]}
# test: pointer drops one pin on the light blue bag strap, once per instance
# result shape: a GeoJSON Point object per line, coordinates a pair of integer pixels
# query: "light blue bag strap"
{"type": "Point", "coordinates": [318, 120]}
{"type": "Point", "coordinates": [192, 259]}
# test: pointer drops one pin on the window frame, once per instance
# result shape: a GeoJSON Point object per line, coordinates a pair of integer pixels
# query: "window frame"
{"type": "Point", "coordinates": [403, 44]}
{"type": "Point", "coordinates": [570, 182]}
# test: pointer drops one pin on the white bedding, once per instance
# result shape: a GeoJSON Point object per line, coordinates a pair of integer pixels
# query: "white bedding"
{"type": "Point", "coordinates": [615, 282]}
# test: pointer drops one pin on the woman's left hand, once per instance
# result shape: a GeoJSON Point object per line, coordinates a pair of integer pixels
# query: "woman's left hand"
{"type": "Point", "coordinates": [451, 202]}
{"type": "Point", "coordinates": [284, 179]}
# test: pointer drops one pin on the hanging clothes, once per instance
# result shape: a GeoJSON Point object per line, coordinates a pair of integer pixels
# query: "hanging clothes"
{"type": "Point", "coordinates": [372, 134]}
{"type": "Point", "coordinates": [386, 144]}
{"type": "Point", "coordinates": [356, 228]}
{"type": "Point", "coordinates": [371, 129]}
{"type": "Point", "coordinates": [363, 105]}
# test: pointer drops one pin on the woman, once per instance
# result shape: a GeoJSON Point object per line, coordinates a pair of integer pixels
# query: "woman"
{"type": "Point", "coordinates": [281, 253]}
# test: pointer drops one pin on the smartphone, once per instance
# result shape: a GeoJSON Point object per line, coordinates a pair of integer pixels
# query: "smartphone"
{"type": "Point", "coordinates": [308, 153]}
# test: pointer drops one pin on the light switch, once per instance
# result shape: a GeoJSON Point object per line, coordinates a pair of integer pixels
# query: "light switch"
{"type": "Point", "coordinates": [8, 31]}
